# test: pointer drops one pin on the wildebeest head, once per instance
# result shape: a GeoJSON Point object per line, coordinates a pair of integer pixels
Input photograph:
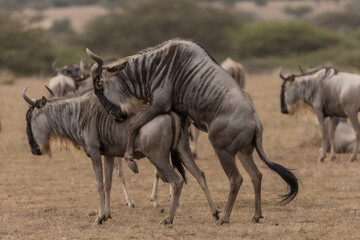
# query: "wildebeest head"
{"type": "Point", "coordinates": [36, 127]}
{"type": "Point", "coordinates": [287, 95]}
{"type": "Point", "coordinates": [119, 101]}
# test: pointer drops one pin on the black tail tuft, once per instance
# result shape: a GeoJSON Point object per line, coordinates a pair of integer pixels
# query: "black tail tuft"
{"type": "Point", "coordinates": [289, 178]}
{"type": "Point", "coordinates": [176, 162]}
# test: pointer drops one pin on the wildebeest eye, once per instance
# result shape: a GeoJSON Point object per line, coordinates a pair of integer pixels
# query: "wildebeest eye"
{"type": "Point", "coordinates": [100, 84]}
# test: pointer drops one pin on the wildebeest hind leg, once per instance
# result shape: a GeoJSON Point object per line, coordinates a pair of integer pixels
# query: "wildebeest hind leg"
{"type": "Point", "coordinates": [120, 173]}
{"type": "Point", "coordinates": [256, 176]}
{"type": "Point", "coordinates": [227, 161]}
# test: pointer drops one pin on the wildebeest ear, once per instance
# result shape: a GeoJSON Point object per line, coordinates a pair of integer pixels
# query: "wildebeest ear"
{"type": "Point", "coordinates": [42, 102]}
{"type": "Point", "coordinates": [117, 67]}
{"type": "Point", "coordinates": [292, 78]}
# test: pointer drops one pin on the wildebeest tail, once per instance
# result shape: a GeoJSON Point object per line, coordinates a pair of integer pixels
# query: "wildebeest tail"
{"type": "Point", "coordinates": [284, 173]}
{"type": "Point", "coordinates": [176, 128]}
{"type": "Point", "coordinates": [177, 163]}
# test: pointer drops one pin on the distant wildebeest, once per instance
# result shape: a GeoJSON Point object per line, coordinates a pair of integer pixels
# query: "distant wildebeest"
{"type": "Point", "coordinates": [70, 78]}
{"type": "Point", "coordinates": [236, 70]}
{"type": "Point", "coordinates": [331, 94]}
{"type": "Point", "coordinates": [81, 119]}
{"type": "Point", "coordinates": [344, 136]}
{"type": "Point", "coordinates": [180, 75]}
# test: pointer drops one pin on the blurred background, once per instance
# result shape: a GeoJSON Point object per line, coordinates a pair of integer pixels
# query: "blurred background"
{"type": "Point", "coordinates": [261, 34]}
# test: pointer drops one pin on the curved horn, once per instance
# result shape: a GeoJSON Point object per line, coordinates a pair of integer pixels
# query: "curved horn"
{"type": "Point", "coordinates": [282, 76]}
{"type": "Point", "coordinates": [51, 91]}
{"type": "Point", "coordinates": [27, 99]}
{"type": "Point", "coordinates": [95, 57]}
{"type": "Point", "coordinates": [301, 70]}
{"type": "Point", "coordinates": [53, 66]}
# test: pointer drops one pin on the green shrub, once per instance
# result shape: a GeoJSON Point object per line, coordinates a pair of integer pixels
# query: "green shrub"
{"type": "Point", "coordinates": [281, 39]}
{"type": "Point", "coordinates": [339, 21]}
{"type": "Point", "coordinates": [23, 50]}
{"type": "Point", "coordinates": [299, 11]}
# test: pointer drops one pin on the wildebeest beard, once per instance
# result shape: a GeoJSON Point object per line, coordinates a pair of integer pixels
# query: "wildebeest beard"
{"type": "Point", "coordinates": [282, 99]}
{"type": "Point", "coordinates": [110, 108]}
{"type": "Point", "coordinates": [35, 149]}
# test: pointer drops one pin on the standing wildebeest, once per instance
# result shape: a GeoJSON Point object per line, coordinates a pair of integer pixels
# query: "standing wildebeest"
{"type": "Point", "coordinates": [74, 78]}
{"type": "Point", "coordinates": [70, 78]}
{"type": "Point", "coordinates": [236, 70]}
{"type": "Point", "coordinates": [180, 75]}
{"type": "Point", "coordinates": [82, 120]}
{"type": "Point", "coordinates": [331, 94]}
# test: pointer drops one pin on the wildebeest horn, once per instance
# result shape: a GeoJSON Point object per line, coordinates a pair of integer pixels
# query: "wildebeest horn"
{"type": "Point", "coordinates": [301, 70]}
{"type": "Point", "coordinates": [95, 57]}
{"type": "Point", "coordinates": [51, 91]}
{"type": "Point", "coordinates": [53, 66]}
{"type": "Point", "coordinates": [282, 76]}
{"type": "Point", "coordinates": [27, 99]}
{"type": "Point", "coordinates": [84, 68]}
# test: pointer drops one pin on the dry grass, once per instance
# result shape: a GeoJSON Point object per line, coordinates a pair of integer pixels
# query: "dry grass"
{"type": "Point", "coordinates": [42, 198]}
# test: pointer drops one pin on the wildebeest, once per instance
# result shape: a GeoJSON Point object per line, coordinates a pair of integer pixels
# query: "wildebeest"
{"type": "Point", "coordinates": [331, 94]}
{"type": "Point", "coordinates": [344, 136]}
{"type": "Point", "coordinates": [70, 78]}
{"type": "Point", "coordinates": [180, 75]}
{"type": "Point", "coordinates": [236, 70]}
{"type": "Point", "coordinates": [81, 119]}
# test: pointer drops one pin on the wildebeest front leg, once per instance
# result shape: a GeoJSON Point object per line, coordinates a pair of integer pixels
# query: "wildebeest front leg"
{"type": "Point", "coordinates": [108, 170]}
{"type": "Point", "coordinates": [320, 117]}
{"type": "Point", "coordinates": [143, 118]}
{"type": "Point", "coordinates": [355, 123]}
{"type": "Point", "coordinates": [331, 138]}
{"type": "Point", "coordinates": [97, 166]}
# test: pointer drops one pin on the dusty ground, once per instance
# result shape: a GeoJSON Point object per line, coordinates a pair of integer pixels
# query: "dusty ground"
{"type": "Point", "coordinates": [54, 198]}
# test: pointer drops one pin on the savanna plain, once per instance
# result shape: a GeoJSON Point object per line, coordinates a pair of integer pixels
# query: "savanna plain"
{"type": "Point", "coordinates": [56, 198]}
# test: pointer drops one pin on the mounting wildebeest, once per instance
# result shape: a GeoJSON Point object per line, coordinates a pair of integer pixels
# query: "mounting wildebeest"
{"type": "Point", "coordinates": [236, 70]}
{"type": "Point", "coordinates": [180, 75]}
{"type": "Point", "coordinates": [82, 120]}
{"type": "Point", "coordinates": [331, 94]}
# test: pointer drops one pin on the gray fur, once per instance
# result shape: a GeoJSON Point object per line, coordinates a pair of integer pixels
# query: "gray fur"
{"type": "Point", "coordinates": [331, 94]}
{"type": "Point", "coordinates": [81, 119]}
{"type": "Point", "coordinates": [180, 75]}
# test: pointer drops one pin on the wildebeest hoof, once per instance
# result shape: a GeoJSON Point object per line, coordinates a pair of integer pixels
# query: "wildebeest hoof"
{"type": "Point", "coordinates": [352, 159]}
{"type": "Point", "coordinates": [322, 158]}
{"type": "Point", "coordinates": [132, 165]}
{"type": "Point", "coordinates": [216, 215]}
{"type": "Point", "coordinates": [256, 219]}
{"type": "Point", "coordinates": [333, 158]}
{"type": "Point", "coordinates": [101, 219]}
{"type": "Point", "coordinates": [131, 205]}
{"type": "Point", "coordinates": [222, 220]}
{"type": "Point", "coordinates": [167, 221]}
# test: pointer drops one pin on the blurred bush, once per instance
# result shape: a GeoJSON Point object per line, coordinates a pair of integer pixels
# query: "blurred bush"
{"type": "Point", "coordinates": [281, 39]}
{"type": "Point", "coordinates": [343, 22]}
{"type": "Point", "coordinates": [151, 22]}
{"type": "Point", "coordinates": [23, 50]}
{"type": "Point", "coordinates": [299, 11]}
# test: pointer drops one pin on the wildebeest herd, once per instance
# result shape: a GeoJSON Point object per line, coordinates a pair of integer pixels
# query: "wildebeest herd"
{"type": "Point", "coordinates": [142, 106]}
